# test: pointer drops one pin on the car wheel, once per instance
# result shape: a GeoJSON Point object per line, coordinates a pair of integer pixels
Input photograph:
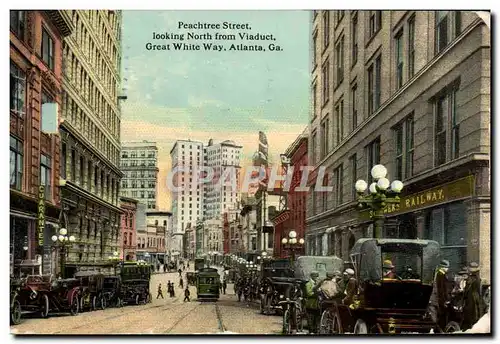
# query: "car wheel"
{"type": "Point", "coordinates": [74, 306]}
{"type": "Point", "coordinates": [94, 303]}
{"type": "Point", "coordinates": [137, 299]}
{"type": "Point", "coordinates": [44, 306]}
{"type": "Point", "coordinates": [360, 327]}
{"type": "Point", "coordinates": [15, 313]}
{"type": "Point", "coordinates": [103, 302]}
{"type": "Point", "coordinates": [451, 327]}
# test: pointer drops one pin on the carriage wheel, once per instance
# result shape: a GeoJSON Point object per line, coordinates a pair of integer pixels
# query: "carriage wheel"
{"type": "Point", "coordinates": [119, 302]}
{"type": "Point", "coordinates": [287, 327]}
{"type": "Point", "coordinates": [336, 324]}
{"type": "Point", "coordinates": [325, 324]}
{"type": "Point", "coordinates": [94, 303]}
{"type": "Point", "coordinates": [74, 307]}
{"type": "Point", "coordinates": [150, 298]}
{"type": "Point", "coordinates": [44, 305]}
{"type": "Point", "coordinates": [137, 299]}
{"type": "Point", "coordinates": [360, 327]}
{"type": "Point", "coordinates": [451, 327]}
{"type": "Point", "coordinates": [15, 313]}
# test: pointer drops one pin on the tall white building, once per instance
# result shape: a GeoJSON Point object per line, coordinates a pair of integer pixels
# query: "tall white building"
{"type": "Point", "coordinates": [186, 203]}
{"type": "Point", "coordinates": [218, 197]}
{"type": "Point", "coordinates": [139, 164]}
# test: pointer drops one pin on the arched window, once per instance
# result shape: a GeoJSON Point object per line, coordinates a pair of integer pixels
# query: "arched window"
{"type": "Point", "coordinates": [130, 237]}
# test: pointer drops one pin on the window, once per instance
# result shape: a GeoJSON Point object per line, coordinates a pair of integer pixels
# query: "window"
{"type": "Point", "coordinates": [354, 38]}
{"type": "Point", "coordinates": [314, 49]}
{"type": "Point", "coordinates": [324, 194]}
{"type": "Point", "coordinates": [326, 81]}
{"type": "Point", "coordinates": [340, 60]}
{"type": "Point", "coordinates": [411, 47]}
{"type": "Point", "coordinates": [314, 100]}
{"type": "Point", "coordinates": [324, 137]}
{"type": "Point", "coordinates": [448, 26]}
{"type": "Point", "coordinates": [47, 49]}
{"type": "Point", "coordinates": [16, 163]}
{"type": "Point", "coordinates": [63, 160]}
{"type": "Point", "coordinates": [18, 23]}
{"type": "Point", "coordinates": [45, 175]}
{"type": "Point", "coordinates": [339, 187]}
{"type": "Point", "coordinates": [399, 59]}
{"type": "Point", "coordinates": [409, 146]}
{"type": "Point", "coordinates": [375, 22]}
{"type": "Point", "coordinates": [353, 162]}
{"type": "Point", "coordinates": [374, 72]}
{"type": "Point", "coordinates": [17, 89]}
{"type": "Point", "coordinates": [313, 148]}
{"type": "Point", "coordinates": [354, 103]}
{"type": "Point", "coordinates": [326, 29]}
{"type": "Point", "coordinates": [446, 123]}
{"type": "Point", "coordinates": [73, 165]}
{"type": "Point", "coordinates": [372, 157]}
{"type": "Point", "coordinates": [339, 121]}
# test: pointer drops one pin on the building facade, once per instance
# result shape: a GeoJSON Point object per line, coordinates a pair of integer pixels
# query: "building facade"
{"type": "Point", "coordinates": [156, 235]}
{"type": "Point", "coordinates": [248, 220]}
{"type": "Point", "coordinates": [128, 229]}
{"type": "Point", "coordinates": [139, 164]}
{"type": "Point", "coordinates": [36, 53]}
{"type": "Point", "coordinates": [90, 138]}
{"type": "Point", "coordinates": [187, 194]}
{"type": "Point", "coordinates": [217, 197]}
{"type": "Point", "coordinates": [294, 215]}
{"type": "Point", "coordinates": [409, 90]}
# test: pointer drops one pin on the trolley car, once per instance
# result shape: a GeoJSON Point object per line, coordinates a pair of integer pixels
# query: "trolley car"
{"type": "Point", "coordinates": [208, 284]}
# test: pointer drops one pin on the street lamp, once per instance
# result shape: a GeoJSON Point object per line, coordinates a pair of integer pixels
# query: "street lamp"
{"type": "Point", "coordinates": [61, 242]}
{"type": "Point", "coordinates": [381, 192]}
{"type": "Point", "coordinates": [292, 243]}
{"type": "Point", "coordinates": [146, 255]}
{"type": "Point", "coordinates": [114, 259]}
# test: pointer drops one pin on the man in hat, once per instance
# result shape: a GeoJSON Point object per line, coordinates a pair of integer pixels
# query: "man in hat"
{"type": "Point", "coordinates": [388, 270]}
{"type": "Point", "coordinates": [312, 302]}
{"type": "Point", "coordinates": [472, 297]}
{"type": "Point", "coordinates": [328, 287]}
{"type": "Point", "coordinates": [440, 296]}
{"type": "Point", "coordinates": [351, 288]}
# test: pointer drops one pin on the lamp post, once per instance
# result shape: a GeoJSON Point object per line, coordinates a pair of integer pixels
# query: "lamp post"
{"type": "Point", "coordinates": [61, 242]}
{"type": "Point", "coordinates": [381, 192]}
{"type": "Point", "coordinates": [114, 259]}
{"type": "Point", "coordinates": [292, 243]}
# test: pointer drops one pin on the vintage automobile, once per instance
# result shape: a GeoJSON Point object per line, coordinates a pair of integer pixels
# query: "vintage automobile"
{"type": "Point", "coordinates": [135, 277]}
{"type": "Point", "coordinates": [42, 295]}
{"type": "Point", "coordinates": [208, 284]}
{"type": "Point", "coordinates": [276, 277]}
{"type": "Point", "coordinates": [112, 291]}
{"type": "Point", "coordinates": [15, 305]}
{"type": "Point", "coordinates": [388, 300]}
{"type": "Point", "coordinates": [91, 292]}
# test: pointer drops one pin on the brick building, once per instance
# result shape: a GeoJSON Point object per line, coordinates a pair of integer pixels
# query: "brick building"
{"type": "Point", "coordinates": [409, 90]}
{"type": "Point", "coordinates": [35, 80]}
{"type": "Point", "coordinates": [128, 228]}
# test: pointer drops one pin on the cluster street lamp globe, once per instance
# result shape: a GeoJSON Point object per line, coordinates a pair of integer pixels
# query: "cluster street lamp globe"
{"type": "Point", "coordinates": [292, 243]}
{"type": "Point", "coordinates": [61, 242]}
{"type": "Point", "coordinates": [380, 193]}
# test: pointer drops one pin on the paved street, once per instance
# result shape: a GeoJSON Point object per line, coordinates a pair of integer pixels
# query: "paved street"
{"type": "Point", "coordinates": [162, 316]}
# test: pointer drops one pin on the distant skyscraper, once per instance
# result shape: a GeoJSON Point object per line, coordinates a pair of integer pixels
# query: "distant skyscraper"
{"type": "Point", "coordinates": [139, 164]}
{"type": "Point", "coordinates": [218, 198]}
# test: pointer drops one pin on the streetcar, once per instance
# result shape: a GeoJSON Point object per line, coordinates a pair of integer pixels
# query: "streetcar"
{"type": "Point", "coordinates": [199, 263]}
{"type": "Point", "coordinates": [208, 284]}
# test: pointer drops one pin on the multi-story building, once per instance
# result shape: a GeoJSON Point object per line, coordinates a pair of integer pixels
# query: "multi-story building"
{"type": "Point", "coordinates": [218, 196]}
{"type": "Point", "coordinates": [248, 221]}
{"type": "Point", "coordinates": [90, 137]}
{"type": "Point", "coordinates": [128, 228]}
{"type": "Point", "coordinates": [213, 236]}
{"type": "Point", "coordinates": [294, 215]}
{"type": "Point", "coordinates": [139, 164]}
{"type": "Point", "coordinates": [186, 157]}
{"type": "Point", "coordinates": [157, 235]}
{"type": "Point", "coordinates": [35, 87]}
{"type": "Point", "coordinates": [409, 90]}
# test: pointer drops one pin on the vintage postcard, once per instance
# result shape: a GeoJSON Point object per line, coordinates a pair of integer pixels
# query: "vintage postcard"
{"type": "Point", "coordinates": [284, 172]}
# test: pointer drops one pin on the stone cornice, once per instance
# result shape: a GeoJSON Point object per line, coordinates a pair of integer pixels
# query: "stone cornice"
{"type": "Point", "coordinates": [62, 21]}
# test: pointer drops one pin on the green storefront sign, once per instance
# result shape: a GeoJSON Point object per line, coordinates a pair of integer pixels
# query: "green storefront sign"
{"type": "Point", "coordinates": [458, 189]}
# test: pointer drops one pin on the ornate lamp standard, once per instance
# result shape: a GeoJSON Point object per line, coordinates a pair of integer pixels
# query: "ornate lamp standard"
{"type": "Point", "coordinates": [292, 244]}
{"type": "Point", "coordinates": [379, 196]}
{"type": "Point", "coordinates": [61, 242]}
{"type": "Point", "coordinates": [115, 260]}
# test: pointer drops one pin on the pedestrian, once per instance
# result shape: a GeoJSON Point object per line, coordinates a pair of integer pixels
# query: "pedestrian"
{"type": "Point", "coordinates": [169, 288]}
{"type": "Point", "coordinates": [224, 285]}
{"type": "Point", "coordinates": [181, 283]}
{"type": "Point", "coordinates": [160, 293]}
{"type": "Point", "coordinates": [188, 265]}
{"type": "Point", "coordinates": [472, 297]}
{"type": "Point", "coordinates": [311, 304]}
{"type": "Point", "coordinates": [187, 293]}
{"type": "Point", "coordinates": [164, 268]}
{"type": "Point", "coordinates": [180, 272]}
{"type": "Point", "coordinates": [440, 296]}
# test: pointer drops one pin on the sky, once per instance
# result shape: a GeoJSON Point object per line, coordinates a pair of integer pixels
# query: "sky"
{"type": "Point", "coordinates": [223, 95]}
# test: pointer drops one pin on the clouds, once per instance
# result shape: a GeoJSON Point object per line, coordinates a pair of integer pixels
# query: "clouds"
{"type": "Point", "coordinates": [201, 95]}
